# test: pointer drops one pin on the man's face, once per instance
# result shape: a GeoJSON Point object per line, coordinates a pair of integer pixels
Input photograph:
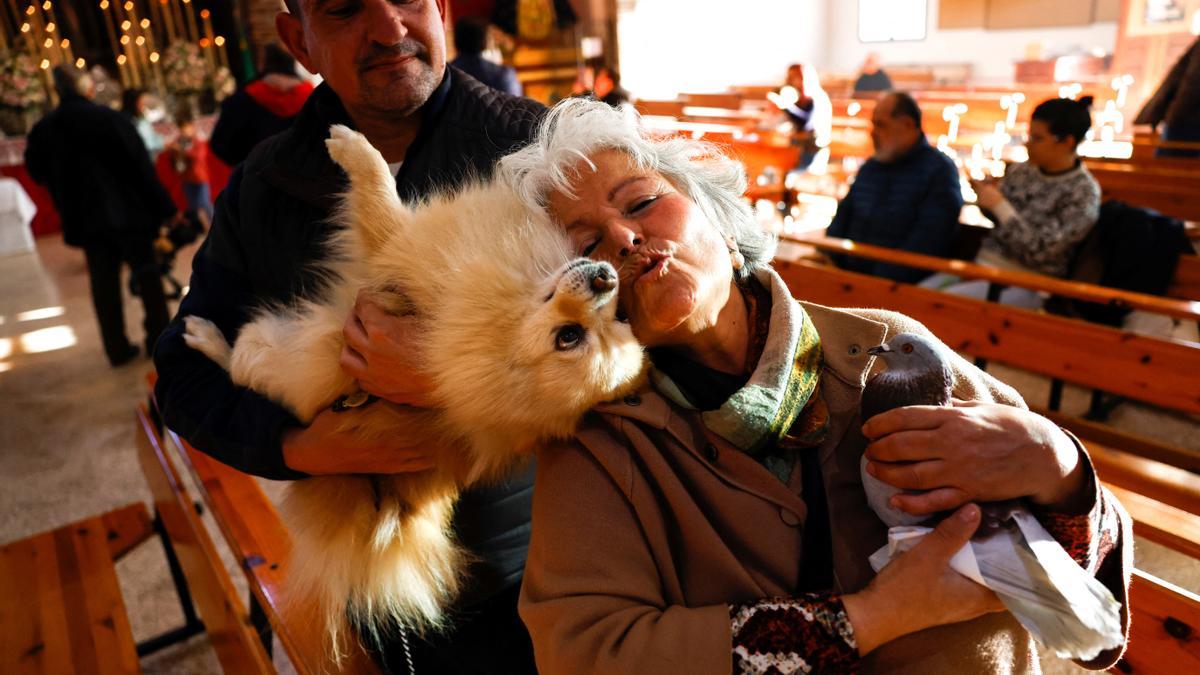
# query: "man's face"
{"type": "Point", "coordinates": [381, 57]}
{"type": "Point", "coordinates": [892, 136]}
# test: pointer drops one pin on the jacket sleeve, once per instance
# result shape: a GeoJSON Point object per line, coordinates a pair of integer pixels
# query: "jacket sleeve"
{"type": "Point", "coordinates": [591, 595]}
{"type": "Point", "coordinates": [935, 226]}
{"type": "Point", "coordinates": [235, 425]}
{"type": "Point", "coordinates": [1155, 109]}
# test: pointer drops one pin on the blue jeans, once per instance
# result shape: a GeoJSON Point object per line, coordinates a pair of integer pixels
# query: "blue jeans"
{"type": "Point", "coordinates": [199, 198]}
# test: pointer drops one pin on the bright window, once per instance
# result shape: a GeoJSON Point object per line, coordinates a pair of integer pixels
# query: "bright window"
{"type": "Point", "coordinates": [889, 20]}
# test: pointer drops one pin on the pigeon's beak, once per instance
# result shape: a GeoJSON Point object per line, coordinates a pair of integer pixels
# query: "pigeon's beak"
{"type": "Point", "coordinates": [881, 349]}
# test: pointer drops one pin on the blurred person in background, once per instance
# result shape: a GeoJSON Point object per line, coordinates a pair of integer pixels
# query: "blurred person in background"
{"type": "Point", "coordinates": [471, 40]}
{"type": "Point", "coordinates": [135, 103]}
{"type": "Point", "coordinates": [260, 109]}
{"type": "Point", "coordinates": [99, 175]}
{"type": "Point", "coordinates": [807, 106]}
{"type": "Point", "coordinates": [1176, 103]}
{"type": "Point", "coordinates": [189, 156]}
{"type": "Point", "coordinates": [872, 77]}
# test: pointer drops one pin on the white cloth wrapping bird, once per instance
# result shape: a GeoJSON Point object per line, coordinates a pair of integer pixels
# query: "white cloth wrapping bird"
{"type": "Point", "coordinates": [1063, 606]}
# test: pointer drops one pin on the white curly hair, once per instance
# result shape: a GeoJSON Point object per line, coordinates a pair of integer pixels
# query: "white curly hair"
{"type": "Point", "coordinates": [576, 128]}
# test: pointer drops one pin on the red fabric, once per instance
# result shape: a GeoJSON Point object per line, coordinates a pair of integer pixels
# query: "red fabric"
{"type": "Point", "coordinates": [47, 220]}
{"type": "Point", "coordinates": [195, 160]}
{"type": "Point", "coordinates": [282, 103]}
{"type": "Point", "coordinates": [218, 176]}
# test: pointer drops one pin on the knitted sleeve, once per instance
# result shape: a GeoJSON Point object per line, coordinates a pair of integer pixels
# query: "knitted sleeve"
{"type": "Point", "coordinates": [1088, 537]}
{"type": "Point", "coordinates": [1041, 222]}
{"type": "Point", "coordinates": [809, 633]}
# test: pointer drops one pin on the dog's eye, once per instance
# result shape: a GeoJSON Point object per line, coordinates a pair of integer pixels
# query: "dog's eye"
{"type": "Point", "coordinates": [568, 337]}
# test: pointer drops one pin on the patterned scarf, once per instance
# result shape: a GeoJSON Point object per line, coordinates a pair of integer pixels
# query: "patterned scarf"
{"type": "Point", "coordinates": [780, 408]}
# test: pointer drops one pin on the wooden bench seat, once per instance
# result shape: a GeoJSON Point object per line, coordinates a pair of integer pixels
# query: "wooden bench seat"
{"type": "Point", "coordinates": [61, 610]}
{"type": "Point", "coordinates": [259, 539]}
{"type": "Point", "coordinates": [1173, 307]}
{"type": "Point", "coordinates": [226, 620]}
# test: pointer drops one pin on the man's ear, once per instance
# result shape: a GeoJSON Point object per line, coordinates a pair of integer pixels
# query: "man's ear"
{"type": "Point", "coordinates": [291, 33]}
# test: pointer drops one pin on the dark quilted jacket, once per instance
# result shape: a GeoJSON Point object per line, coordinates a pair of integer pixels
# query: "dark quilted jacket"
{"type": "Point", "coordinates": [269, 224]}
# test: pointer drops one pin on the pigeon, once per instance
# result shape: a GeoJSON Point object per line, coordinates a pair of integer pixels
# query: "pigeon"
{"type": "Point", "coordinates": [1066, 609]}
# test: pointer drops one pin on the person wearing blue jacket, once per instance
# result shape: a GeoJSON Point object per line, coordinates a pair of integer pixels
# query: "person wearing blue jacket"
{"type": "Point", "coordinates": [907, 196]}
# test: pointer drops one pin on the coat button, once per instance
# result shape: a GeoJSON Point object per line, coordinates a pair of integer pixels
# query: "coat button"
{"type": "Point", "coordinates": [855, 350]}
{"type": "Point", "coordinates": [633, 400]}
{"type": "Point", "coordinates": [789, 518]}
{"type": "Point", "coordinates": [711, 453]}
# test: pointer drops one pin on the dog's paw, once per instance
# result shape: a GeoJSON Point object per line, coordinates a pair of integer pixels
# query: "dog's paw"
{"type": "Point", "coordinates": [204, 336]}
{"type": "Point", "coordinates": [351, 150]}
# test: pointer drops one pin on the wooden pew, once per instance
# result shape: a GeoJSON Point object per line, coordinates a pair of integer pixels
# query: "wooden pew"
{"type": "Point", "coordinates": [1173, 307]}
{"type": "Point", "coordinates": [260, 542]}
{"type": "Point", "coordinates": [1173, 192]}
{"type": "Point", "coordinates": [60, 601]}
{"type": "Point", "coordinates": [1162, 634]}
{"type": "Point", "coordinates": [1146, 369]}
{"type": "Point", "coordinates": [226, 620]}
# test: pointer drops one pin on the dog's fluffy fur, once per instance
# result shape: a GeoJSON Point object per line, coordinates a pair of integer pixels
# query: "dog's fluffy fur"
{"type": "Point", "coordinates": [520, 338]}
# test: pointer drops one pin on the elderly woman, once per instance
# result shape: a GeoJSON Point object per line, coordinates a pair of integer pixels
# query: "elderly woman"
{"type": "Point", "coordinates": [717, 521]}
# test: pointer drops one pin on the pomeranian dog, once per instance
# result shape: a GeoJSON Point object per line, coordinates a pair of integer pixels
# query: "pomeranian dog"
{"type": "Point", "coordinates": [520, 337]}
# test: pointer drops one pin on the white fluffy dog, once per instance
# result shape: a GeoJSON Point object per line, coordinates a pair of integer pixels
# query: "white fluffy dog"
{"type": "Point", "coordinates": [520, 337]}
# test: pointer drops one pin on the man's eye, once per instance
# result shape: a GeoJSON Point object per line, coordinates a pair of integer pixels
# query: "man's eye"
{"type": "Point", "coordinates": [343, 10]}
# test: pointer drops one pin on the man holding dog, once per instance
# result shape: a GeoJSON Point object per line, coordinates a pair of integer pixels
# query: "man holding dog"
{"type": "Point", "coordinates": [385, 71]}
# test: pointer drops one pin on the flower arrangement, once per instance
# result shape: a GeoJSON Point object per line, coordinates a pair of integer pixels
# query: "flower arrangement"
{"type": "Point", "coordinates": [223, 84]}
{"type": "Point", "coordinates": [184, 69]}
{"type": "Point", "coordinates": [21, 85]}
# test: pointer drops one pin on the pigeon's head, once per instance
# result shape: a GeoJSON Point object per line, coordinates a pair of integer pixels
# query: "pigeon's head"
{"type": "Point", "coordinates": [911, 352]}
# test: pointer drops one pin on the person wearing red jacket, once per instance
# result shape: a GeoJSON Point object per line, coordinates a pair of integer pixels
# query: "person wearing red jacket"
{"type": "Point", "coordinates": [261, 109]}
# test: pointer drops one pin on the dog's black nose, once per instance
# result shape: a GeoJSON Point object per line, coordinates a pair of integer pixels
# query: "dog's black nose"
{"type": "Point", "coordinates": [603, 279]}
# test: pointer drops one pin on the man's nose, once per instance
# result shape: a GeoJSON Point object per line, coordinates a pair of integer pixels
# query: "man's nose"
{"type": "Point", "coordinates": [385, 22]}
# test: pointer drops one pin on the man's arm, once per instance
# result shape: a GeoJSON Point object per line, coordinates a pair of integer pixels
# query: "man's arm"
{"type": "Point", "coordinates": [237, 426]}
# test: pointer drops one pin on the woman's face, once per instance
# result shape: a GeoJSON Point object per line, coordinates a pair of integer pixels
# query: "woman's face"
{"type": "Point", "coordinates": [673, 264]}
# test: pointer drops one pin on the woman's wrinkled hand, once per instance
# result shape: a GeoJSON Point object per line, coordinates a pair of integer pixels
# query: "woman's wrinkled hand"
{"type": "Point", "coordinates": [973, 452]}
{"type": "Point", "coordinates": [381, 353]}
{"type": "Point", "coordinates": [919, 590]}
{"type": "Point", "coordinates": [327, 446]}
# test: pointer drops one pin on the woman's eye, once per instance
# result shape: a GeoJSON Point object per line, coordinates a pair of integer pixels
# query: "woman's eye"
{"type": "Point", "coordinates": [587, 250]}
{"type": "Point", "coordinates": [643, 204]}
{"type": "Point", "coordinates": [568, 337]}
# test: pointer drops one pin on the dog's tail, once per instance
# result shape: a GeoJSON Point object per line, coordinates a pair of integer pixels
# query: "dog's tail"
{"type": "Point", "coordinates": [370, 209]}
{"type": "Point", "coordinates": [373, 553]}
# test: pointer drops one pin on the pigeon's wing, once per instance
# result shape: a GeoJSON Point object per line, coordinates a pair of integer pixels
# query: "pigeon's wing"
{"type": "Point", "coordinates": [889, 390]}
{"type": "Point", "coordinates": [1057, 601]}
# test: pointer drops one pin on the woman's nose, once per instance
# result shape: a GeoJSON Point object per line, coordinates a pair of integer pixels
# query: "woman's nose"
{"type": "Point", "coordinates": [626, 239]}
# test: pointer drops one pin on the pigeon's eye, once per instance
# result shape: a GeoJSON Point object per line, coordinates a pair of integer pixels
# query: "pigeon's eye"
{"type": "Point", "coordinates": [568, 337]}
{"type": "Point", "coordinates": [907, 348]}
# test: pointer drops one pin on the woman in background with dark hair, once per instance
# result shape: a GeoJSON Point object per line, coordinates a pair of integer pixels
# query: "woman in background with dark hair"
{"type": "Point", "coordinates": [1043, 209]}
{"type": "Point", "coordinates": [261, 109]}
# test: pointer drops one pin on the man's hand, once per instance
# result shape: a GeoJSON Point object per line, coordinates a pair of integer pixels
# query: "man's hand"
{"type": "Point", "coordinates": [973, 452]}
{"type": "Point", "coordinates": [325, 447]}
{"type": "Point", "coordinates": [380, 353]}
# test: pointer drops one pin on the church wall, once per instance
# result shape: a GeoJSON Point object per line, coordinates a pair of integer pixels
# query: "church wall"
{"type": "Point", "coordinates": [991, 53]}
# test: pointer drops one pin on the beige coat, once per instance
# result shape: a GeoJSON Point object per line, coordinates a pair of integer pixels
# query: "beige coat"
{"type": "Point", "coordinates": [647, 528]}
